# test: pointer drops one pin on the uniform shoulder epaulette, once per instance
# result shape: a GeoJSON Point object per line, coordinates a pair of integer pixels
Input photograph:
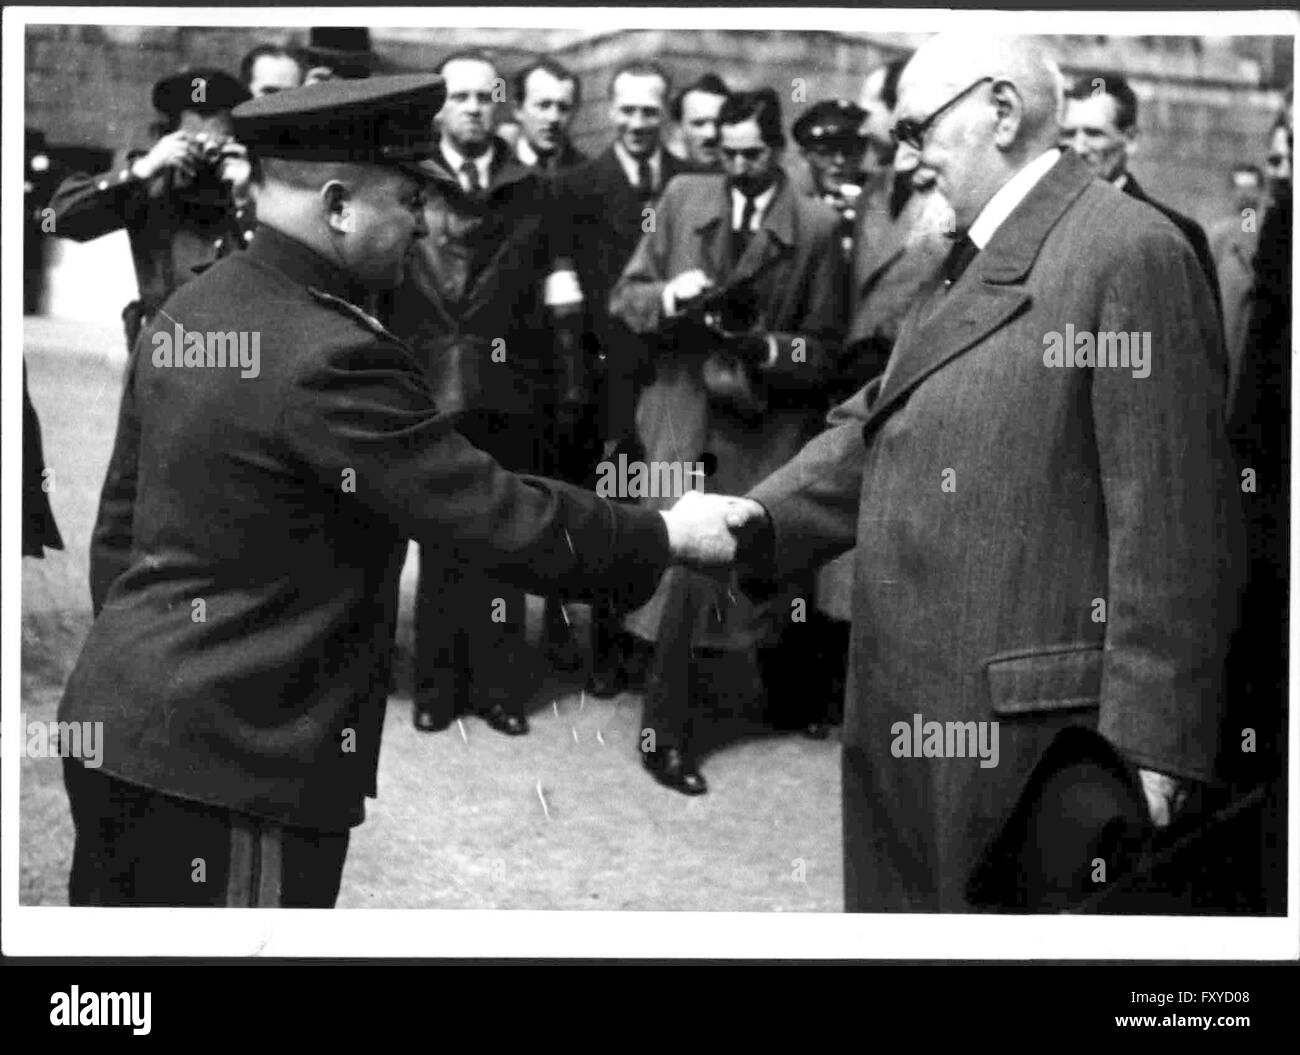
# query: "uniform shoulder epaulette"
{"type": "Point", "coordinates": [359, 314]}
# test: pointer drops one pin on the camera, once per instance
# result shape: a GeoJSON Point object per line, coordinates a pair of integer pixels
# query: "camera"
{"type": "Point", "coordinates": [726, 312]}
{"type": "Point", "coordinates": [207, 150]}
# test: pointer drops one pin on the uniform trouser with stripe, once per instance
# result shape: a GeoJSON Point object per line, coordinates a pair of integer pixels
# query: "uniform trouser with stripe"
{"type": "Point", "coordinates": [137, 846]}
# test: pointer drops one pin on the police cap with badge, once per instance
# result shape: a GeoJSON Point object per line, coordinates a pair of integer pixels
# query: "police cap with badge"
{"type": "Point", "coordinates": [829, 124]}
{"type": "Point", "coordinates": [377, 121]}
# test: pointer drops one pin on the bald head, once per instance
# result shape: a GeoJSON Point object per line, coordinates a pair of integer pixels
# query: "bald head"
{"type": "Point", "coordinates": [946, 64]}
{"type": "Point", "coordinates": [1006, 95]}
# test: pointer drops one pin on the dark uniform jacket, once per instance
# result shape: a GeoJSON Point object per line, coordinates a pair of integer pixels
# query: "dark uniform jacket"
{"type": "Point", "coordinates": [171, 234]}
{"type": "Point", "coordinates": [475, 286]}
{"type": "Point", "coordinates": [993, 500]}
{"type": "Point", "coordinates": [245, 560]}
{"type": "Point", "coordinates": [605, 222]}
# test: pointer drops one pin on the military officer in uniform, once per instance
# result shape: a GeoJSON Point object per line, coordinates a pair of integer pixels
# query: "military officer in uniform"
{"type": "Point", "coordinates": [183, 202]}
{"type": "Point", "coordinates": [830, 136]}
{"type": "Point", "coordinates": [254, 521]}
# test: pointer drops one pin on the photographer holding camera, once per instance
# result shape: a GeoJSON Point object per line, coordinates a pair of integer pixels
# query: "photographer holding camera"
{"type": "Point", "coordinates": [741, 285]}
{"type": "Point", "coordinates": [184, 202]}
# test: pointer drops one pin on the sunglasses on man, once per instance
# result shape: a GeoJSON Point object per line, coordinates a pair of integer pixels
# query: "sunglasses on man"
{"type": "Point", "coordinates": [912, 131]}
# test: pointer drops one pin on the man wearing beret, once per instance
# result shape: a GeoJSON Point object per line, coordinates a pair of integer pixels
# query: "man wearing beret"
{"type": "Point", "coordinates": [183, 202]}
{"type": "Point", "coordinates": [276, 449]}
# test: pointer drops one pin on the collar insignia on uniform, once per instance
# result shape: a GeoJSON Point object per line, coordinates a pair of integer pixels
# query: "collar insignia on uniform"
{"type": "Point", "coordinates": [364, 317]}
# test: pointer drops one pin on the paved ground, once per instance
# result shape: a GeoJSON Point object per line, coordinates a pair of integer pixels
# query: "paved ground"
{"type": "Point", "coordinates": [459, 822]}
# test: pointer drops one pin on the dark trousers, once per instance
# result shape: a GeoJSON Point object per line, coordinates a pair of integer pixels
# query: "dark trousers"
{"type": "Point", "coordinates": [669, 710]}
{"type": "Point", "coordinates": [136, 846]}
{"type": "Point", "coordinates": [793, 668]}
{"type": "Point", "coordinates": [470, 645]}
{"type": "Point", "coordinates": [469, 640]}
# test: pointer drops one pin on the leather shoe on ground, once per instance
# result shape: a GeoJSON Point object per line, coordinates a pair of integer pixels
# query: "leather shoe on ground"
{"type": "Point", "coordinates": [674, 770]}
{"type": "Point", "coordinates": [608, 681]}
{"type": "Point", "coordinates": [503, 722]}
{"type": "Point", "coordinates": [431, 720]}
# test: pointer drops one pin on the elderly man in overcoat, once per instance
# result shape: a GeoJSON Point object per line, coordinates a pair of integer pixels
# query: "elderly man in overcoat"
{"type": "Point", "coordinates": [1042, 541]}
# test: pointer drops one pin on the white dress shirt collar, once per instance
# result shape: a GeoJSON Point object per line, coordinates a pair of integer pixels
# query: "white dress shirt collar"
{"type": "Point", "coordinates": [761, 202]}
{"type": "Point", "coordinates": [630, 165]}
{"type": "Point", "coordinates": [526, 154]}
{"type": "Point", "coordinates": [456, 160]}
{"type": "Point", "coordinates": [1011, 194]}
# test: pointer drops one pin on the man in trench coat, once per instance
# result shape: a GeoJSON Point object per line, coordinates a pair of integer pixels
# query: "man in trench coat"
{"type": "Point", "coordinates": [1038, 544]}
{"type": "Point", "coordinates": [750, 233]}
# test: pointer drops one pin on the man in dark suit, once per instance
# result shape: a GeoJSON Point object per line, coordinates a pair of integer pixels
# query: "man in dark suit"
{"type": "Point", "coordinates": [547, 95]}
{"type": "Point", "coordinates": [1042, 540]}
{"type": "Point", "coordinates": [695, 113]}
{"type": "Point", "coordinates": [1100, 125]}
{"type": "Point", "coordinates": [339, 52]}
{"type": "Point", "coordinates": [254, 522]}
{"type": "Point", "coordinates": [1259, 425]}
{"type": "Point", "coordinates": [749, 388]}
{"type": "Point", "coordinates": [608, 203]}
{"type": "Point", "coordinates": [472, 307]}
{"type": "Point", "coordinates": [1233, 241]}
{"type": "Point", "coordinates": [269, 68]}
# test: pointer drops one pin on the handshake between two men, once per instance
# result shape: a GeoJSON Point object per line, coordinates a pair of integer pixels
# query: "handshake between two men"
{"type": "Point", "coordinates": [707, 530]}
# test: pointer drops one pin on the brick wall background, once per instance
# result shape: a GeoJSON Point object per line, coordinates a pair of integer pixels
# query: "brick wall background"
{"type": "Point", "coordinates": [1207, 103]}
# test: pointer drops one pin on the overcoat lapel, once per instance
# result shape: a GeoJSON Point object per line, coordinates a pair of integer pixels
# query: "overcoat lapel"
{"type": "Point", "coordinates": [773, 240]}
{"type": "Point", "coordinates": [991, 293]}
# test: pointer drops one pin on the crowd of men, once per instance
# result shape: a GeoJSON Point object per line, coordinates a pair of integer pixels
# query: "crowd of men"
{"type": "Point", "coordinates": [707, 309]}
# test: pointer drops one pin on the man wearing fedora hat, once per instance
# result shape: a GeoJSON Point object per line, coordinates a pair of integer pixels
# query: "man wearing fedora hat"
{"type": "Point", "coordinates": [342, 52]}
{"type": "Point", "coordinates": [183, 202]}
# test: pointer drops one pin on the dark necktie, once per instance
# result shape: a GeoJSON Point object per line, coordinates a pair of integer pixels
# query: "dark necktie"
{"type": "Point", "coordinates": [959, 257]}
{"type": "Point", "coordinates": [645, 180]}
{"type": "Point", "coordinates": [741, 236]}
{"type": "Point", "coordinates": [472, 185]}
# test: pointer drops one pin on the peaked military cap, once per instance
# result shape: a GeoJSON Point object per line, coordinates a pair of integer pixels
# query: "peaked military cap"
{"type": "Point", "coordinates": [204, 89]}
{"type": "Point", "coordinates": [379, 121]}
{"type": "Point", "coordinates": [830, 121]}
